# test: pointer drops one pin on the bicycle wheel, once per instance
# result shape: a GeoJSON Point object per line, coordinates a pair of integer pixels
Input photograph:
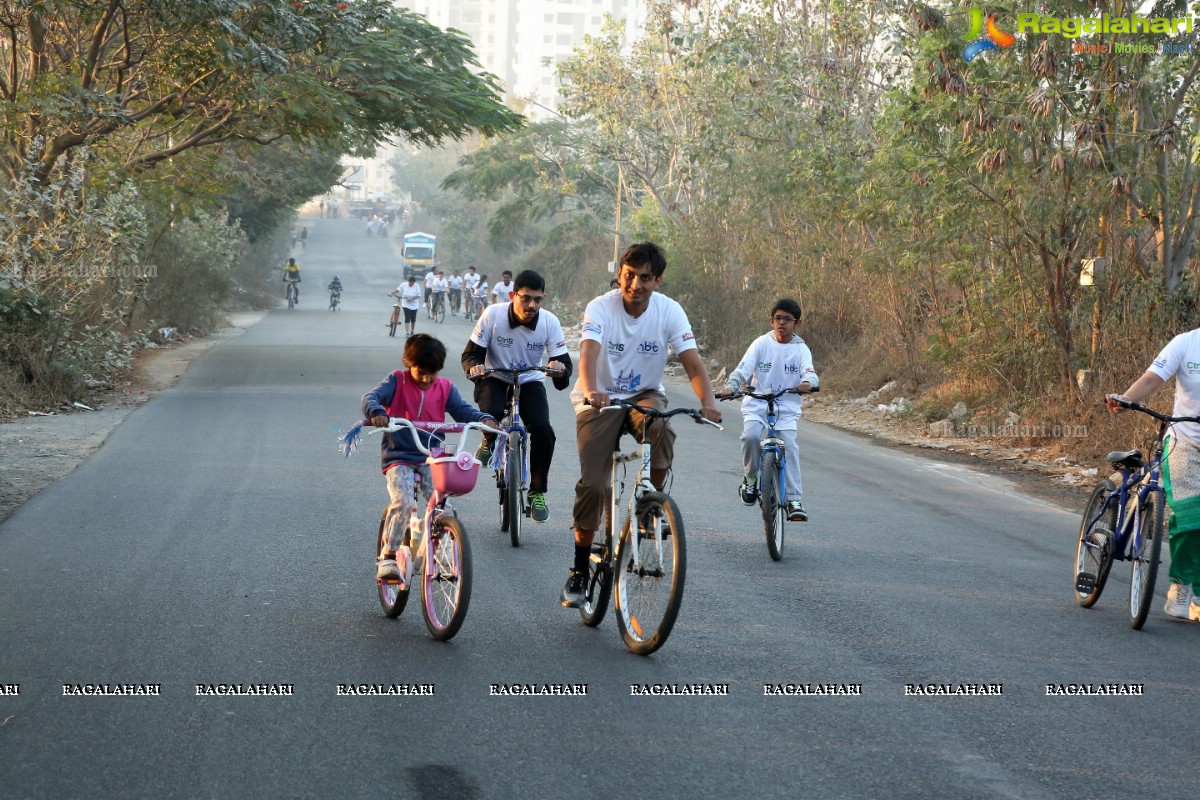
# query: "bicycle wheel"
{"type": "Point", "coordinates": [649, 597]}
{"type": "Point", "coordinates": [440, 312]}
{"type": "Point", "coordinates": [291, 297]}
{"type": "Point", "coordinates": [391, 596]}
{"type": "Point", "coordinates": [1093, 550]}
{"type": "Point", "coordinates": [1145, 559]}
{"type": "Point", "coordinates": [392, 325]}
{"type": "Point", "coordinates": [598, 590]}
{"type": "Point", "coordinates": [446, 578]}
{"type": "Point", "coordinates": [770, 499]}
{"type": "Point", "coordinates": [515, 458]}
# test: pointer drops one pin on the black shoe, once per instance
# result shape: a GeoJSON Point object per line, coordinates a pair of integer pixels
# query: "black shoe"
{"type": "Point", "coordinates": [748, 491]}
{"type": "Point", "coordinates": [573, 593]}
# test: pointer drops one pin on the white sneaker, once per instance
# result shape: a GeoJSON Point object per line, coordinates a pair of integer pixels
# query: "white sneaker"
{"type": "Point", "coordinates": [1179, 598]}
{"type": "Point", "coordinates": [387, 569]}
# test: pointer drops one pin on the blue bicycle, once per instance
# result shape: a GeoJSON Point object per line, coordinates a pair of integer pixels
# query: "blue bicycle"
{"type": "Point", "coordinates": [510, 458]}
{"type": "Point", "coordinates": [772, 469]}
{"type": "Point", "coordinates": [1126, 523]}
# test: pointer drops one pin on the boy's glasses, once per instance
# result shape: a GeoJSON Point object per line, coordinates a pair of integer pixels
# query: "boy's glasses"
{"type": "Point", "coordinates": [529, 299]}
{"type": "Point", "coordinates": [783, 320]}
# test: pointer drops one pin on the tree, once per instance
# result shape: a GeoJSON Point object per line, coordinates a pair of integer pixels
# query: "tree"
{"type": "Point", "coordinates": [144, 80]}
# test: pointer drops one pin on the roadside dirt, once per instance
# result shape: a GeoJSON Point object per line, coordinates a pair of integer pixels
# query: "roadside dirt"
{"type": "Point", "coordinates": [47, 444]}
{"type": "Point", "coordinates": [1037, 471]}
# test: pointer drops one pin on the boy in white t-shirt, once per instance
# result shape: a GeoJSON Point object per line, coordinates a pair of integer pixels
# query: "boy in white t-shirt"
{"type": "Point", "coordinates": [514, 335]}
{"type": "Point", "coordinates": [623, 354]}
{"type": "Point", "coordinates": [1181, 468]}
{"type": "Point", "coordinates": [504, 288]}
{"type": "Point", "coordinates": [776, 360]}
{"type": "Point", "coordinates": [455, 282]}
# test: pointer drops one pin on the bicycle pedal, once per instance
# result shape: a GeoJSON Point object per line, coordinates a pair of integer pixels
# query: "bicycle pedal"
{"type": "Point", "coordinates": [1085, 582]}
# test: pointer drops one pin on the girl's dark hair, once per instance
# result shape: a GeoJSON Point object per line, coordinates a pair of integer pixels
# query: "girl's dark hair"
{"type": "Point", "coordinates": [424, 352]}
{"type": "Point", "coordinates": [786, 305]}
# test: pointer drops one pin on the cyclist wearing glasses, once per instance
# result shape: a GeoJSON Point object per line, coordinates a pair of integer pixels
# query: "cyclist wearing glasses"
{"type": "Point", "coordinates": [623, 354]}
{"type": "Point", "coordinates": [774, 361]}
{"type": "Point", "coordinates": [1181, 468]}
{"type": "Point", "coordinates": [512, 335]}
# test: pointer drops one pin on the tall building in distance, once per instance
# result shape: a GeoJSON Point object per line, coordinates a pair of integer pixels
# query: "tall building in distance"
{"type": "Point", "coordinates": [522, 41]}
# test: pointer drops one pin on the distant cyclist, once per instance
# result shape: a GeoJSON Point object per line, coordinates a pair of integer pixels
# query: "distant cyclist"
{"type": "Point", "coordinates": [455, 283]}
{"type": "Point", "coordinates": [291, 274]}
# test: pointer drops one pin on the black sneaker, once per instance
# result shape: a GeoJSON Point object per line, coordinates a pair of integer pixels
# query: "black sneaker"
{"type": "Point", "coordinates": [796, 512]}
{"type": "Point", "coordinates": [748, 491]}
{"type": "Point", "coordinates": [572, 593]}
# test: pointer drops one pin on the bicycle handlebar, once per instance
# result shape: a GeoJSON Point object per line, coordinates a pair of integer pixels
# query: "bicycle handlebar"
{"type": "Point", "coordinates": [768, 395]}
{"type": "Point", "coordinates": [513, 372]}
{"type": "Point", "coordinates": [1135, 406]}
{"type": "Point", "coordinates": [654, 412]}
{"type": "Point", "coordinates": [399, 424]}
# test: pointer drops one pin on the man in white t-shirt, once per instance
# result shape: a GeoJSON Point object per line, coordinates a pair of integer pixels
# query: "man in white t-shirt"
{"type": "Point", "coordinates": [774, 361]}
{"type": "Point", "coordinates": [438, 295]}
{"type": "Point", "coordinates": [513, 335]}
{"type": "Point", "coordinates": [623, 355]}
{"type": "Point", "coordinates": [503, 288]}
{"type": "Point", "coordinates": [1180, 359]}
{"type": "Point", "coordinates": [409, 293]}
{"type": "Point", "coordinates": [430, 277]}
{"type": "Point", "coordinates": [470, 284]}
{"type": "Point", "coordinates": [455, 283]}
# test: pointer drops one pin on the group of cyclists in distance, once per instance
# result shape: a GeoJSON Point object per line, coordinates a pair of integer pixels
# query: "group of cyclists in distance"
{"type": "Point", "coordinates": [626, 334]}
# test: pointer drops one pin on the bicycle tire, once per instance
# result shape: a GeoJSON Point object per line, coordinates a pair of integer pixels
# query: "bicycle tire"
{"type": "Point", "coordinates": [392, 325]}
{"type": "Point", "coordinates": [598, 589]}
{"type": "Point", "coordinates": [392, 598]}
{"type": "Point", "coordinates": [648, 601]}
{"type": "Point", "coordinates": [440, 313]}
{"type": "Point", "coordinates": [1091, 557]}
{"type": "Point", "coordinates": [515, 464]}
{"type": "Point", "coordinates": [1144, 570]}
{"type": "Point", "coordinates": [771, 502]}
{"type": "Point", "coordinates": [446, 578]}
{"type": "Point", "coordinates": [291, 298]}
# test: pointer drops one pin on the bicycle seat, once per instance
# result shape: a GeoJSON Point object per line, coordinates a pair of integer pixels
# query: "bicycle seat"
{"type": "Point", "coordinates": [1129, 459]}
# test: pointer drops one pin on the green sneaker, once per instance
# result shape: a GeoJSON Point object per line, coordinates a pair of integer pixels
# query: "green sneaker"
{"type": "Point", "coordinates": [483, 453]}
{"type": "Point", "coordinates": [537, 504]}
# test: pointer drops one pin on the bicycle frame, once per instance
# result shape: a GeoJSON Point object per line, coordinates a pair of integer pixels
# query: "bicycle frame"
{"type": "Point", "coordinates": [641, 485]}
{"type": "Point", "coordinates": [771, 442]}
{"type": "Point", "coordinates": [1127, 529]}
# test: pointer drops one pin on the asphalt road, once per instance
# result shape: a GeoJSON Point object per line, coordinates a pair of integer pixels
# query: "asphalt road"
{"type": "Point", "coordinates": [218, 537]}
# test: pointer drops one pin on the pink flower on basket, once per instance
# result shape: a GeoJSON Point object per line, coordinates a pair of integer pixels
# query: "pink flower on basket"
{"type": "Point", "coordinates": [465, 460]}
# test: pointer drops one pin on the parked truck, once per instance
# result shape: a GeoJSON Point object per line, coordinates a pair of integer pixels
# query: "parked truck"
{"type": "Point", "coordinates": [419, 253]}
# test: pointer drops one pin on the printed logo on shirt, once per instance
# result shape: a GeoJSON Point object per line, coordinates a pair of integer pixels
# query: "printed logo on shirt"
{"type": "Point", "coordinates": [560, 345]}
{"type": "Point", "coordinates": [504, 341]}
{"type": "Point", "coordinates": [536, 347]}
{"type": "Point", "coordinates": [764, 366]}
{"type": "Point", "coordinates": [626, 384]}
{"type": "Point", "coordinates": [1160, 363]}
{"type": "Point", "coordinates": [1192, 366]}
{"type": "Point", "coordinates": [616, 347]}
{"type": "Point", "coordinates": [791, 369]}
{"type": "Point", "coordinates": [648, 347]}
{"type": "Point", "coordinates": [592, 328]}
{"type": "Point", "coordinates": [687, 337]}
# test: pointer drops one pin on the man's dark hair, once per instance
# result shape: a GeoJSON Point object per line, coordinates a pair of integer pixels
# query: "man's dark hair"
{"type": "Point", "coordinates": [506, 272]}
{"type": "Point", "coordinates": [788, 306]}
{"type": "Point", "coordinates": [424, 352]}
{"type": "Point", "coordinates": [643, 254]}
{"type": "Point", "coordinates": [528, 279]}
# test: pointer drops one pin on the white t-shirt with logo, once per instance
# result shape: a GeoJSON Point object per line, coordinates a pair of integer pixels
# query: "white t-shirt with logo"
{"type": "Point", "coordinates": [440, 285]}
{"type": "Point", "coordinates": [429, 279]}
{"type": "Point", "coordinates": [410, 296]}
{"type": "Point", "coordinates": [513, 348]}
{"type": "Point", "coordinates": [501, 290]}
{"type": "Point", "coordinates": [455, 281]}
{"type": "Point", "coordinates": [768, 366]}
{"type": "Point", "coordinates": [633, 352]}
{"type": "Point", "coordinates": [481, 290]}
{"type": "Point", "coordinates": [471, 279]}
{"type": "Point", "coordinates": [1180, 360]}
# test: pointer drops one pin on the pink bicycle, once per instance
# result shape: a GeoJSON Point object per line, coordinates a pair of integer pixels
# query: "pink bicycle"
{"type": "Point", "coordinates": [438, 543]}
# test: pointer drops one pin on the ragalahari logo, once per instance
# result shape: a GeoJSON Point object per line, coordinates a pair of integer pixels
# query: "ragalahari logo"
{"type": "Point", "coordinates": [984, 37]}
